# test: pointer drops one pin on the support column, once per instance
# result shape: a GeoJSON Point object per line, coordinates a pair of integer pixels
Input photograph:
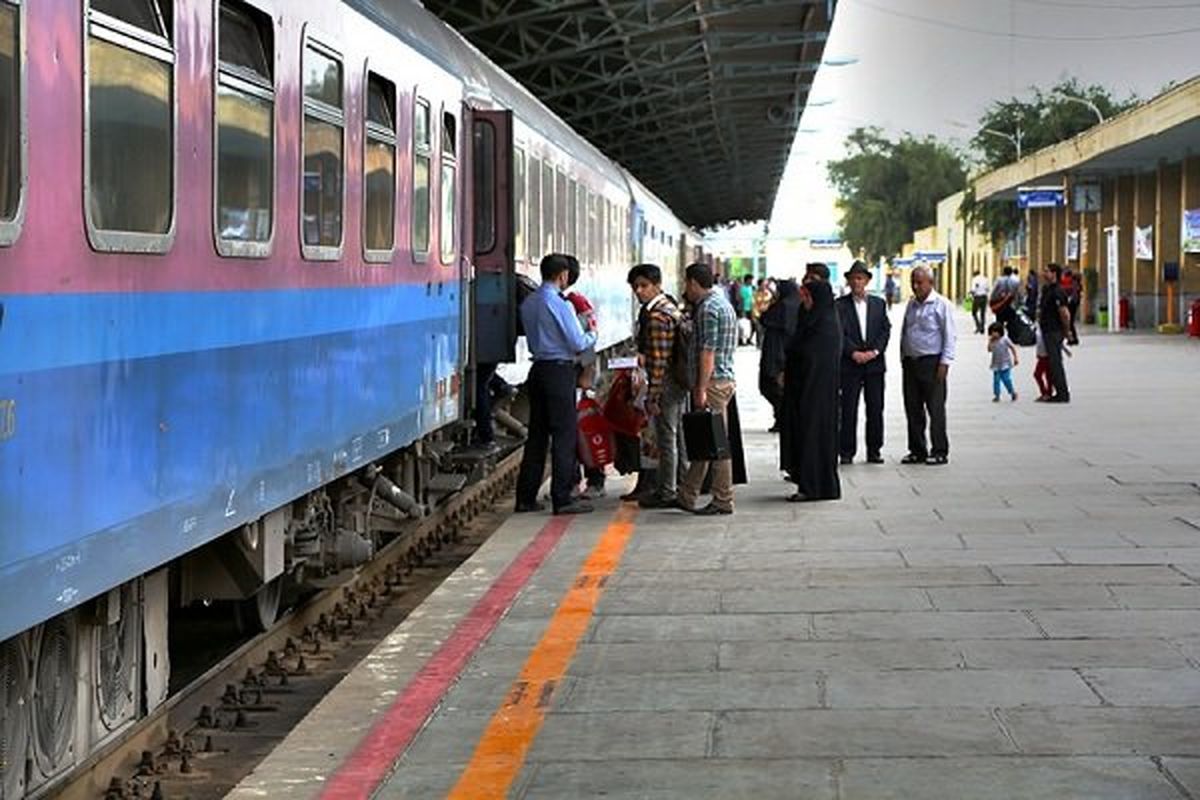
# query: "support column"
{"type": "Point", "coordinates": [1166, 237]}
{"type": "Point", "coordinates": [1143, 295]}
{"type": "Point", "coordinates": [1189, 268]}
{"type": "Point", "coordinates": [1126, 217]}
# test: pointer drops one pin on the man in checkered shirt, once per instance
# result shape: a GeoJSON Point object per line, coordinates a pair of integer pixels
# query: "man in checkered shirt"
{"type": "Point", "coordinates": [710, 365]}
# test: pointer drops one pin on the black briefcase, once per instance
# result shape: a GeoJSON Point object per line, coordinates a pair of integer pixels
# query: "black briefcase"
{"type": "Point", "coordinates": [705, 436]}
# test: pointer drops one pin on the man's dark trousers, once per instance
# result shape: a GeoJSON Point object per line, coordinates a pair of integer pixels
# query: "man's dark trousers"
{"type": "Point", "coordinates": [1053, 340]}
{"type": "Point", "coordinates": [551, 387]}
{"type": "Point", "coordinates": [925, 394]}
{"type": "Point", "coordinates": [979, 304]}
{"type": "Point", "coordinates": [857, 380]}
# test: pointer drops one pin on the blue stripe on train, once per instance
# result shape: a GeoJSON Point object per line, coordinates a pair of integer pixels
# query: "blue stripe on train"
{"type": "Point", "coordinates": [115, 468]}
{"type": "Point", "coordinates": [48, 331]}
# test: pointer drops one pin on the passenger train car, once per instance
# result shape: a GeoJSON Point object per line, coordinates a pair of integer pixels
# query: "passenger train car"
{"type": "Point", "coordinates": [250, 252]}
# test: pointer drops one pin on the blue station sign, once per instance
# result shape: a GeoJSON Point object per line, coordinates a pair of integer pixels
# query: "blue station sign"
{"type": "Point", "coordinates": [1041, 197]}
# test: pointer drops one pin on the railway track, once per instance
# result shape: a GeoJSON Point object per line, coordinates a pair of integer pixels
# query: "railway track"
{"type": "Point", "coordinates": [212, 732]}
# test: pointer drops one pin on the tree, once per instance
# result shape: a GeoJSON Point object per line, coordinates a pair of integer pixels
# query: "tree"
{"type": "Point", "coordinates": [889, 189]}
{"type": "Point", "coordinates": [1048, 118]}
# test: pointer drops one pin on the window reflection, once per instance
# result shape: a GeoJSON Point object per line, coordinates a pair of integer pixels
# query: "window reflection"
{"type": "Point", "coordinates": [10, 113]}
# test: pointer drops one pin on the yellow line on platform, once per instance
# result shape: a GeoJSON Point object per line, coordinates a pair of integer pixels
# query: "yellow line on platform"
{"type": "Point", "coordinates": [501, 751]}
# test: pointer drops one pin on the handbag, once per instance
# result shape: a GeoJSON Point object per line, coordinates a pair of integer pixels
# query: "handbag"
{"type": "Point", "coordinates": [704, 436]}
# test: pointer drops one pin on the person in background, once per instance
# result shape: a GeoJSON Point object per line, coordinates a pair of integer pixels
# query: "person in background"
{"type": "Point", "coordinates": [657, 330]}
{"type": "Point", "coordinates": [555, 340]}
{"type": "Point", "coordinates": [980, 289]}
{"type": "Point", "coordinates": [763, 296]}
{"type": "Point", "coordinates": [778, 325]}
{"type": "Point", "coordinates": [1004, 358]}
{"type": "Point", "coordinates": [927, 346]}
{"type": "Point", "coordinates": [1005, 296]}
{"type": "Point", "coordinates": [1031, 294]}
{"type": "Point", "coordinates": [747, 298]}
{"type": "Point", "coordinates": [891, 290]}
{"type": "Point", "coordinates": [866, 330]}
{"type": "Point", "coordinates": [808, 443]}
{"type": "Point", "coordinates": [1073, 287]}
{"type": "Point", "coordinates": [710, 365]}
{"type": "Point", "coordinates": [1054, 319]}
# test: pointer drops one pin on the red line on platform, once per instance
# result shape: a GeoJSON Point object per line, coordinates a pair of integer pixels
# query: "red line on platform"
{"type": "Point", "coordinates": [372, 759]}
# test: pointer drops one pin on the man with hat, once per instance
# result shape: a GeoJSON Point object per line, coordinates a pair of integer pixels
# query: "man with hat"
{"type": "Point", "coordinates": [865, 333]}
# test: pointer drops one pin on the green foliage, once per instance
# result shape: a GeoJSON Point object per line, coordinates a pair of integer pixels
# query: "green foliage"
{"type": "Point", "coordinates": [1045, 119]}
{"type": "Point", "coordinates": [889, 189]}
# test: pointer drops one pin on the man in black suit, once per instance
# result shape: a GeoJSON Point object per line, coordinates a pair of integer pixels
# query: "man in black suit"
{"type": "Point", "coordinates": [865, 332]}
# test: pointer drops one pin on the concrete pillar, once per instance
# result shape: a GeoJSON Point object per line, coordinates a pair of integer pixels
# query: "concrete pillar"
{"type": "Point", "coordinates": [1166, 235]}
{"type": "Point", "coordinates": [1107, 218]}
{"type": "Point", "coordinates": [1143, 295]}
{"type": "Point", "coordinates": [1126, 202]}
{"type": "Point", "coordinates": [1189, 282]}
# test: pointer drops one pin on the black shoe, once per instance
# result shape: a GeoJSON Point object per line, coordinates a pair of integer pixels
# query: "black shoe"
{"type": "Point", "coordinates": [845, 459]}
{"type": "Point", "coordinates": [575, 507]}
{"type": "Point", "coordinates": [525, 508]}
{"type": "Point", "coordinates": [874, 458]}
{"type": "Point", "coordinates": [1060, 398]}
{"type": "Point", "coordinates": [937, 461]}
{"type": "Point", "coordinates": [773, 429]}
{"type": "Point", "coordinates": [912, 458]}
{"type": "Point", "coordinates": [712, 510]}
{"type": "Point", "coordinates": [658, 501]}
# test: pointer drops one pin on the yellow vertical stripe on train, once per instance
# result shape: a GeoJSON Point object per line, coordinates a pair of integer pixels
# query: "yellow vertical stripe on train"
{"type": "Point", "coordinates": [501, 751]}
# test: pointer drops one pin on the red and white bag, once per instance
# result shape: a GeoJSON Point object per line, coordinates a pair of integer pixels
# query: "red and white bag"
{"type": "Point", "coordinates": [596, 447]}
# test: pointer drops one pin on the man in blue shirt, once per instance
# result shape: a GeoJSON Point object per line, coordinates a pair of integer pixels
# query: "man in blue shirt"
{"type": "Point", "coordinates": [555, 339]}
{"type": "Point", "coordinates": [927, 345]}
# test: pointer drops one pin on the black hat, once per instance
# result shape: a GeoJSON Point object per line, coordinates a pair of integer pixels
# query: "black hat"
{"type": "Point", "coordinates": [858, 268]}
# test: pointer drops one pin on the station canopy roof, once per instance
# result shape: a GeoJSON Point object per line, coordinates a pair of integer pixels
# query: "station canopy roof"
{"type": "Point", "coordinates": [699, 99]}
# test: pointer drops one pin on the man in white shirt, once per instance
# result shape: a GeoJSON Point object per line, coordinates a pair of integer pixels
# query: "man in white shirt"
{"type": "Point", "coordinates": [865, 333]}
{"type": "Point", "coordinates": [927, 344]}
{"type": "Point", "coordinates": [981, 287]}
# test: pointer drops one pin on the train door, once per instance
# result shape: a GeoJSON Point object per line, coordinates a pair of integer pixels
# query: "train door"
{"type": "Point", "coordinates": [493, 288]}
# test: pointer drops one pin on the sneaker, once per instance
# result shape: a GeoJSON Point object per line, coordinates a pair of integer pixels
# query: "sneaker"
{"type": "Point", "coordinates": [593, 493]}
{"type": "Point", "coordinates": [996, 398]}
{"type": "Point", "coordinates": [874, 458]}
{"type": "Point", "coordinates": [937, 461]}
{"type": "Point", "coordinates": [1014, 397]}
{"type": "Point", "coordinates": [912, 458]}
{"type": "Point", "coordinates": [712, 510]}
{"type": "Point", "coordinates": [525, 508]}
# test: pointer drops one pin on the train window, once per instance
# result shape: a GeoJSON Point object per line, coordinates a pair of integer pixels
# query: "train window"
{"type": "Point", "coordinates": [421, 156]}
{"type": "Point", "coordinates": [324, 153]}
{"type": "Point", "coordinates": [245, 174]}
{"type": "Point", "coordinates": [560, 212]}
{"type": "Point", "coordinates": [547, 245]}
{"type": "Point", "coordinates": [535, 209]}
{"type": "Point", "coordinates": [572, 221]}
{"type": "Point", "coordinates": [379, 170]}
{"type": "Point", "coordinates": [485, 186]}
{"type": "Point", "coordinates": [519, 224]}
{"type": "Point", "coordinates": [11, 101]}
{"type": "Point", "coordinates": [129, 126]}
{"type": "Point", "coordinates": [449, 193]}
{"type": "Point", "coordinates": [592, 228]}
{"type": "Point", "coordinates": [581, 221]}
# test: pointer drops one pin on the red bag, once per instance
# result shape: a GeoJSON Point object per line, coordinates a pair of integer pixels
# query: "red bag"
{"type": "Point", "coordinates": [596, 448]}
{"type": "Point", "coordinates": [622, 415]}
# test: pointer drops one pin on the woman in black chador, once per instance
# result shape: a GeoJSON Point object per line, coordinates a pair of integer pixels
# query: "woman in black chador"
{"type": "Point", "coordinates": [778, 324]}
{"type": "Point", "coordinates": [809, 440]}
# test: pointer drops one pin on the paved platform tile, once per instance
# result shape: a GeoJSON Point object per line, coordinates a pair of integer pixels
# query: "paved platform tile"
{"type": "Point", "coordinates": [754, 657]}
{"type": "Point", "coordinates": [697, 628]}
{"type": "Point", "coordinates": [1112, 575]}
{"type": "Point", "coordinates": [958, 687]}
{"type": "Point", "coordinates": [777, 600]}
{"type": "Point", "coordinates": [1186, 771]}
{"type": "Point", "coordinates": [1158, 596]}
{"type": "Point", "coordinates": [789, 779]}
{"type": "Point", "coordinates": [623, 735]}
{"type": "Point", "coordinates": [695, 691]}
{"type": "Point", "coordinates": [643, 657]}
{"type": "Point", "coordinates": [1119, 623]}
{"type": "Point", "coordinates": [1104, 731]}
{"type": "Point", "coordinates": [900, 576]}
{"type": "Point", "coordinates": [1147, 687]}
{"type": "Point", "coordinates": [924, 625]}
{"type": "Point", "coordinates": [801, 560]}
{"type": "Point", "coordinates": [1069, 653]}
{"type": "Point", "coordinates": [1004, 778]}
{"type": "Point", "coordinates": [645, 600]}
{"type": "Point", "coordinates": [980, 555]}
{"type": "Point", "coordinates": [850, 733]}
{"type": "Point", "coordinates": [997, 598]}
{"type": "Point", "coordinates": [1130, 555]}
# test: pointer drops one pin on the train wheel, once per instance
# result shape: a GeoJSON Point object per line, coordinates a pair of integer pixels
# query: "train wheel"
{"type": "Point", "coordinates": [14, 715]}
{"type": "Point", "coordinates": [258, 613]}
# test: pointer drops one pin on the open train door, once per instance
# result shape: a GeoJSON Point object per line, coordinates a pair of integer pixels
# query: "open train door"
{"type": "Point", "coordinates": [494, 290]}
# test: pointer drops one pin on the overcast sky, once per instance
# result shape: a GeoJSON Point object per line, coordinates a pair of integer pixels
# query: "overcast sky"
{"type": "Point", "coordinates": [933, 66]}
